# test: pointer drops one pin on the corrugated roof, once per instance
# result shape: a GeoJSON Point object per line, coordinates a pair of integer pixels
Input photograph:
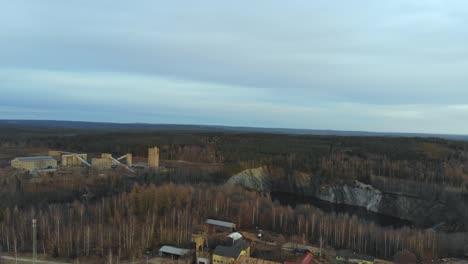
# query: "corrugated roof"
{"type": "Point", "coordinates": [220, 223]}
{"type": "Point", "coordinates": [35, 158]}
{"type": "Point", "coordinates": [174, 250]}
{"type": "Point", "coordinates": [232, 252]}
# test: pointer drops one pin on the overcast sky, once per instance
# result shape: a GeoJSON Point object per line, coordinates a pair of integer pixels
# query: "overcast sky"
{"type": "Point", "coordinates": [394, 66]}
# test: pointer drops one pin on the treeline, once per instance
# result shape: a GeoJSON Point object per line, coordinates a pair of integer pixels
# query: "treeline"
{"type": "Point", "coordinates": [429, 160]}
{"type": "Point", "coordinates": [126, 224]}
{"type": "Point", "coordinates": [448, 172]}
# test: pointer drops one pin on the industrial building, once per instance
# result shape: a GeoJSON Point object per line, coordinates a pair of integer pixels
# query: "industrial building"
{"type": "Point", "coordinates": [56, 154]}
{"type": "Point", "coordinates": [174, 252]}
{"type": "Point", "coordinates": [102, 163]}
{"type": "Point", "coordinates": [106, 161]}
{"type": "Point", "coordinates": [202, 254]}
{"type": "Point", "coordinates": [227, 255]}
{"type": "Point", "coordinates": [153, 158]}
{"type": "Point", "coordinates": [34, 163]}
{"type": "Point", "coordinates": [217, 224]}
{"type": "Point", "coordinates": [106, 155]}
{"type": "Point", "coordinates": [68, 159]}
{"type": "Point", "coordinates": [129, 159]}
{"type": "Point", "coordinates": [73, 160]}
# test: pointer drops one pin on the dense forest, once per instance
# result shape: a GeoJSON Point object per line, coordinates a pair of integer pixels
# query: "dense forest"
{"type": "Point", "coordinates": [128, 223]}
{"type": "Point", "coordinates": [124, 216]}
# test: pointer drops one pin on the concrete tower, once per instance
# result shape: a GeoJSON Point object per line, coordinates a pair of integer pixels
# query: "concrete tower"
{"type": "Point", "coordinates": [153, 158]}
{"type": "Point", "coordinates": [129, 159]}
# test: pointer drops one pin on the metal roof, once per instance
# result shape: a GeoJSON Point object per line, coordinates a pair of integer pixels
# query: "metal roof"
{"type": "Point", "coordinates": [174, 250]}
{"type": "Point", "coordinates": [235, 236]}
{"type": "Point", "coordinates": [35, 158]}
{"type": "Point", "coordinates": [232, 252]}
{"type": "Point", "coordinates": [73, 154]}
{"type": "Point", "coordinates": [241, 244]}
{"type": "Point", "coordinates": [220, 223]}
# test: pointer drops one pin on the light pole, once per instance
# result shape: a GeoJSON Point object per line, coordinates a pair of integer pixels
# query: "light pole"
{"type": "Point", "coordinates": [34, 224]}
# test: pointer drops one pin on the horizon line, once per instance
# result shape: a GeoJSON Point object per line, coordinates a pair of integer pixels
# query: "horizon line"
{"type": "Point", "coordinates": [241, 127]}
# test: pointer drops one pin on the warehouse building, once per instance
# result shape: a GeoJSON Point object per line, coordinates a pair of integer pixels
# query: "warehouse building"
{"type": "Point", "coordinates": [34, 163]}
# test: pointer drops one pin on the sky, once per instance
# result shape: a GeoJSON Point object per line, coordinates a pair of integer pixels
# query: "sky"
{"type": "Point", "coordinates": [387, 66]}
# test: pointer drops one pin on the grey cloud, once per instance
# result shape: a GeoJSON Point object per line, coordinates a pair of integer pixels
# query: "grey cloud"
{"type": "Point", "coordinates": [321, 54]}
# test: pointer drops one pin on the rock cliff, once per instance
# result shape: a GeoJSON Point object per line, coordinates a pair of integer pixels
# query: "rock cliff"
{"type": "Point", "coordinates": [420, 211]}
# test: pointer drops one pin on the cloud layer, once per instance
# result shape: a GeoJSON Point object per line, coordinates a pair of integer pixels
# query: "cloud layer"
{"type": "Point", "coordinates": [366, 65]}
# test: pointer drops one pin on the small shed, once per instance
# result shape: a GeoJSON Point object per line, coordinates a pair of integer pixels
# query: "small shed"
{"type": "Point", "coordinates": [173, 251]}
{"type": "Point", "coordinates": [222, 224]}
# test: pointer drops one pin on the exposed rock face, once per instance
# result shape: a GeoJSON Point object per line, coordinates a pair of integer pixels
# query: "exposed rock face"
{"type": "Point", "coordinates": [255, 179]}
{"type": "Point", "coordinates": [419, 211]}
{"type": "Point", "coordinates": [359, 194]}
{"type": "Point", "coordinates": [408, 207]}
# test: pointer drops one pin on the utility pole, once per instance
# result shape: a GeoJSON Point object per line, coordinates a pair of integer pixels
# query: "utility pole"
{"type": "Point", "coordinates": [34, 225]}
{"type": "Point", "coordinates": [321, 243]}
